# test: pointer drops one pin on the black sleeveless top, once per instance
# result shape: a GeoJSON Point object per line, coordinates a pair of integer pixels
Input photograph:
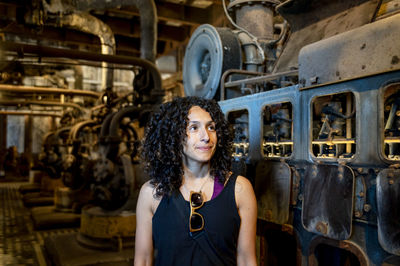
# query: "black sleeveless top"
{"type": "Point", "coordinates": [173, 244]}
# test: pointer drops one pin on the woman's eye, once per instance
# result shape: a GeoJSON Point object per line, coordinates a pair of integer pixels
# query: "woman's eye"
{"type": "Point", "coordinates": [211, 128]}
{"type": "Point", "coordinates": [192, 128]}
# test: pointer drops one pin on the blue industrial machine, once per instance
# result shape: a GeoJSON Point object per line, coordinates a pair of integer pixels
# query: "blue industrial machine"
{"type": "Point", "coordinates": [313, 98]}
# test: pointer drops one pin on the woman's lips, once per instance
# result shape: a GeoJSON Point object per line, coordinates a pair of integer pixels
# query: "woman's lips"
{"type": "Point", "coordinates": [206, 148]}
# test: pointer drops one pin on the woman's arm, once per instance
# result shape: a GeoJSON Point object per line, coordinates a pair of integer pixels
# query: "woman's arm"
{"type": "Point", "coordinates": [144, 233]}
{"type": "Point", "coordinates": [247, 207]}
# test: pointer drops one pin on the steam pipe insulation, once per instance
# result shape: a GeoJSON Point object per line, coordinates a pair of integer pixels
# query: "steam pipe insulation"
{"type": "Point", "coordinates": [148, 20]}
{"type": "Point", "coordinates": [73, 54]}
{"type": "Point", "coordinates": [90, 24]}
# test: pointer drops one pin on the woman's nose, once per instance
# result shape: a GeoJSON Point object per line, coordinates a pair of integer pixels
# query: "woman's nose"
{"type": "Point", "coordinates": [204, 135]}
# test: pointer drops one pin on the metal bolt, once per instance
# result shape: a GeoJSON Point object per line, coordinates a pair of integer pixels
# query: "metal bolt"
{"type": "Point", "coordinates": [357, 214]}
{"type": "Point", "coordinates": [391, 181]}
{"type": "Point", "coordinates": [361, 194]}
{"type": "Point", "coordinates": [314, 80]}
{"type": "Point", "coordinates": [367, 207]}
{"type": "Point", "coordinates": [322, 227]}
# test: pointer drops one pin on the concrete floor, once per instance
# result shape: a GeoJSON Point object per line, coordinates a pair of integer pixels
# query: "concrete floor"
{"type": "Point", "coordinates": [20, 244]}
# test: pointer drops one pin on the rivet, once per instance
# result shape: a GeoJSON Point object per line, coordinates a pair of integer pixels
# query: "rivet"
{"type": "Point", "coordinates": [367, 207]}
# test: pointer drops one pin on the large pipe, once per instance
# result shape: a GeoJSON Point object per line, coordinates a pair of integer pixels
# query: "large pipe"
{"type": "Point", "coordinates": [85, 22]}
{"type": "Point", "coordinates": [90, 24]}
{"type": "Point", "coordinates": [29, 113]}
{"type": "Point", "coordinates": [46, 90]}
{"type": "Point", "coordinates": [256, 17]}
{"type": "Point", "coordinates": [77, 127]}
{"type": "Point", "coordinates": [148, 20]}
{"type": "Point", "coordinates": [68, 53]}
{"type": "Point", "coordinates": [45, 103]}
{"type": "Point", "coordinates": [116, 120]}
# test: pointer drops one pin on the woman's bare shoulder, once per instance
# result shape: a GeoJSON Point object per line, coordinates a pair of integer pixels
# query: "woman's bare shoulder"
{"type": "Point", "coordinates": [148, 196]}
{"type": "Point", "coordinates": [242, 183]}
{"type": "Point", "coordinates": [147, 187]}
{"type": "Point", "coordinates": [243, 190]}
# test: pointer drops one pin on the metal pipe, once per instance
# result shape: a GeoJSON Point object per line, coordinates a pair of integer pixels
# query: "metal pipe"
{"type": "Point", "coordinates": [115, 122]}
{"type": "Point", "coordinates": [148, 20]}
{"type": "Point", "coordinates": [259, 78]}
{"type": "Point", "coordinates": [255, 17]}
{"type": "Point", "coordinates": [87, 23]}
{"type": "Point", "coordinates": [252, 54]}
{"type": "Point", "coordinates": [68, 53]}
{"type": "Point", "coordinates": [349, 102]}
{"type": "Point", "coordinates": [29, 113]}
{"type": "Point", "coordinates": [105, 126]}
{"type": "Point", "coordinates": [77, 127]}
{"type": "Point", "coordinates": [45, 90]}
{"type": "Point", "coordinates": [47, 103]}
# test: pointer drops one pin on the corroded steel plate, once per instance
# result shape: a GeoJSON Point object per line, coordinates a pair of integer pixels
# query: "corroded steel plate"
{"type": "Point", "coordinates": [272, 188]}
{"type": "Point", "coordinates": [328, 200]}
{"type": "Point", "coordinates": [388, 204]}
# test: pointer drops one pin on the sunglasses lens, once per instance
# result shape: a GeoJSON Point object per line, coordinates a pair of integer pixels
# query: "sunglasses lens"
{"type": "Point", "coordinates": [196, 221]}
{"type": "Point", "coordinates": [196, 199]}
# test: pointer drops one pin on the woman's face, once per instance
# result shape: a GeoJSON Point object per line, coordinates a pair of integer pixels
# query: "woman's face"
{"type": "Point", "coordinates": [201, 139]}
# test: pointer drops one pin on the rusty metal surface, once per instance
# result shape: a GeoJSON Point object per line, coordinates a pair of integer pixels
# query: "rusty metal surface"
{"type": "Point", "coordinates": [350, 246]}
{"type": "Point", "coordinates": [312, 21]}
{"type": "Point", "coordinates": [388, 198]}
{"type": "Point", "coordinates": [97, 223]}
{"type": "Point", "coordinates": [367, 50]}
{"type": "Point", "coordinates": [328, 200]}
{"type": "Point", "coordinates": [257, 19]}
{"type": "Point", "coordinates": [272, 188]}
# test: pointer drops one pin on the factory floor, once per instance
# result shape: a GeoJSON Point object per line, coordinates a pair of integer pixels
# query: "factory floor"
{"type": "Point", "coordinates": [20, 244]}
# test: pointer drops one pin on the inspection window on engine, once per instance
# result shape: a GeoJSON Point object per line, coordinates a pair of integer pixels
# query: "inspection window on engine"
{"type": "Point", "coordinates": [240, 123]}
{"type": "Point", "coordinates": [392, 122]}
{"type": "Point", "coordinates": [333, 126]}
{"type": "Point", "coordinates": [277, 130]}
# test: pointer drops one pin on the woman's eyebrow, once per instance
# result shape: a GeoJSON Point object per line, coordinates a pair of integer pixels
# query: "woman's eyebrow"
{"type": "Point", "coordinates": [198, 122]}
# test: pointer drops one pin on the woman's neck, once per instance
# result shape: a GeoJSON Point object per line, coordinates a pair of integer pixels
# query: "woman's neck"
{"type": "Point", "coordinates": [197, 171]}
{"type": "Point", "coordinates": [197, 179]}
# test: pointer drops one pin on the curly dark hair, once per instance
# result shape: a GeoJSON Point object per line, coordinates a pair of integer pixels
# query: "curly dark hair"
{"type": "Point", "coordinates": [162, 148]}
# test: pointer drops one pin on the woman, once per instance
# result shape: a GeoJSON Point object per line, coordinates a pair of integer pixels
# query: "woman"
{"type": "Point", "coordinates": [193, 211]}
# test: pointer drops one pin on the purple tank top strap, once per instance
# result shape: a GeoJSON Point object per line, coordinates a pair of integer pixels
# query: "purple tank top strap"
{"type": "Point", "coordinates": [218, 187]}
